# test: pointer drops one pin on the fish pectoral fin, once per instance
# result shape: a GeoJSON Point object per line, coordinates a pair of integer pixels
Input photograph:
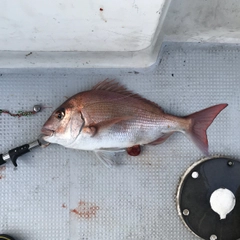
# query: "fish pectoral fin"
{"type": "Point", "coordinates": [161, 139]}
{"type": "Point", "coordinates": [92, 130]}
{"type": "Point", "coordinates": [107, 157]}
{"type": "Point", "coordinates": [89, 130]}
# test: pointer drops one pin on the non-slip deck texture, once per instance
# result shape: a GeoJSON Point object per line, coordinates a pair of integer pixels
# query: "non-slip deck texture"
{"type": "Point", "coordinates": [65, 194]}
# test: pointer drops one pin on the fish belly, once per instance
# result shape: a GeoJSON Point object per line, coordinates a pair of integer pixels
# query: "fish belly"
{"type": "Point", "coordinates": [121, 136]}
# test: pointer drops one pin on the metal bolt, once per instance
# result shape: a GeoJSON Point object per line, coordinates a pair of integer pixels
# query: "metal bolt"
{"type": "Point", "coordinates": [230, 163]}
{"type": "Point", "coordinates": [42, 142]}
{"type": "Point", "coordinates": [185, 212]}
{"type": "Point", "coordinates": [213, 237]}
{"type": "Point", "coordinates": [195, 175]}
{"type": "Point", "coordinates": [37, 108]}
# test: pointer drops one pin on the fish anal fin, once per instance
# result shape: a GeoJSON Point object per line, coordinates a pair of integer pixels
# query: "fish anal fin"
{"type": "Point", "coordinates": [161, 139]}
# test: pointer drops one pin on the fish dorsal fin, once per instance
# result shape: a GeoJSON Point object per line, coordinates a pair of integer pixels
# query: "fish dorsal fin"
{"type": "Point", "coordinates": [113, 86]}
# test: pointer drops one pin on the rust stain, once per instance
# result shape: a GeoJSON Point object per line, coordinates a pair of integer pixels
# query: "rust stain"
{"type": "Point", "coordinates": [64, 205]}
{"type": "Point", "coordinates": [85, 210]}
{"type": "Point", "coordinates": [2, 170]}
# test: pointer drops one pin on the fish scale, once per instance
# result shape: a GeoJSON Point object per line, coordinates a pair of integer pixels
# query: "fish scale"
{"type": "Point", "coordinates": [110, 118]}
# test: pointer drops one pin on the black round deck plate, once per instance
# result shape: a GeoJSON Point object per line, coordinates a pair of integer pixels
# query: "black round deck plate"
{"type": "Point", "coordinates": [194, 197]}
{"type": "Point", "coordinates": [6, 237]}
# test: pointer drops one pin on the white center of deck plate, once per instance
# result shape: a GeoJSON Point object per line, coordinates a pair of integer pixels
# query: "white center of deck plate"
{"type": "Point", "coordinates": [222, 202]}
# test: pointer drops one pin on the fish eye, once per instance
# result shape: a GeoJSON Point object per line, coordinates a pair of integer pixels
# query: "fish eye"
{"type": "Point", "coordinates": [60, 114]}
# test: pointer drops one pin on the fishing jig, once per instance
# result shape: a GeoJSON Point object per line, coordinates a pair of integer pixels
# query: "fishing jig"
{"type": "Point", "coordinates": [36, 109]}
{"type": "Point", "coordinates": [13, 154]}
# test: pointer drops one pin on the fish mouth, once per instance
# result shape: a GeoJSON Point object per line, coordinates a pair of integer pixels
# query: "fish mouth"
{"type": "Point", "coordinates": [47, 132]}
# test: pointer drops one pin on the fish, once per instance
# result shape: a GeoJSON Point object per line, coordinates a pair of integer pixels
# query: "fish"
{"type": "Point", "coordinates": [109, 118]}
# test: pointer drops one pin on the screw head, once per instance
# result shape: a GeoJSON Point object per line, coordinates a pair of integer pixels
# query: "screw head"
{"type": "Point", "coordinates": [213, 237]}
{"type": "Point", "coordinates": [185, 212]}
{"type": "Point", "coordinates": [230, 163]}
{"type": "Point", "coordinates": [195, 174]}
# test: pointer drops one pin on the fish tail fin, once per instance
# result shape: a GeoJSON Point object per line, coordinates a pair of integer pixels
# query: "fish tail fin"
{"type": "Point", "coordinates": [199, 123]}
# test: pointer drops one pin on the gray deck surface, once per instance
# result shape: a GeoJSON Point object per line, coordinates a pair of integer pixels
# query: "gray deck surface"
{"type": "Point", "coordinates": [135, 200]}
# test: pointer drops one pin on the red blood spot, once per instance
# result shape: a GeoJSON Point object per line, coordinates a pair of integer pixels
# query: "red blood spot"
{"type": "Point", "coordinates": [101, 9]}
{"type": "Point", "coordinates": [85, 210]}
{"type": "Point", "coordinates": [75, 211]}
{"type": "Point", "coordinates": [134, 150]}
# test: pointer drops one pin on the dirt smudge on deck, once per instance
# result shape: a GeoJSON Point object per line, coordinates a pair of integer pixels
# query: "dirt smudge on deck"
{"type": "Point", "coordinates": [2, 172]}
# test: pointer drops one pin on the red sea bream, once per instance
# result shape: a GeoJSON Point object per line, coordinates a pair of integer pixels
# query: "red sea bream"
{"type": "Point", "coordinates": [109, 118]}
